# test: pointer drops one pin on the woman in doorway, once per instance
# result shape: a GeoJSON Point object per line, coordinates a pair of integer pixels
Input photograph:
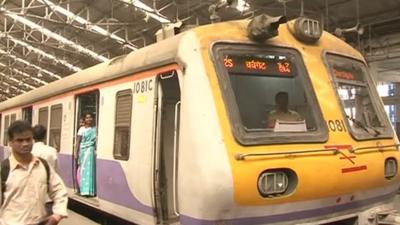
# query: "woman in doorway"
{"type": "Point", "coordinates": [77, 169]}
{"type": "Point", "coordinates": [86, 151]}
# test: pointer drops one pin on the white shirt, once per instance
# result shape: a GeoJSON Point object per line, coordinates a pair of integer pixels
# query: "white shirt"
{"type": "Point", "coordinates": [82, 130]}
{"type": "Point", "coordinates": [285, 116]}
{"type": "Point", "coordinates": [26, 194]}
{"type": "Point", "coordinates": [46, 152]}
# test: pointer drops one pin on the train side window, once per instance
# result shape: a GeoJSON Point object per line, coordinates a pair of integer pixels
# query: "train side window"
{"type": "Point", "coordinates": [13, 118]}
{"type": "Point", "coordinates": [123, 118]}
{"type": "Point", "coordinates": [6, 125]}
{"type": "Point", "coordinates": [43, 118]}
{"type": "Point", "coordinates": [55, 126]}
{"type": "Point", "coordinates": [27, 114]}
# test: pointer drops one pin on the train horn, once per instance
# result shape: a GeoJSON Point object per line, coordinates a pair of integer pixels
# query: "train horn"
{"type": "Point", "coordinates": [358, 28]}
{"type": "Point", "coordinates": [263, 27]}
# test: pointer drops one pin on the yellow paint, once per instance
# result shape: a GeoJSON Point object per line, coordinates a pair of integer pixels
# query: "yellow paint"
{"type": "Point", "coordinates": [141, 98]}
{"type": "Point", "coordinates": [319, 175]}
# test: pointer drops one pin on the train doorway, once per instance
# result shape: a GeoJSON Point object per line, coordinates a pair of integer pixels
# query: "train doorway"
{"type": "Point", "coordinates": [84, 165]}
{"type": "Point", "coordinates": [166, 155]}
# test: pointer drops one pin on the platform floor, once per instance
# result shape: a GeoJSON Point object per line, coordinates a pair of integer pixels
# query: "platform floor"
{"type": "Point", "coordinates": [76, 219]}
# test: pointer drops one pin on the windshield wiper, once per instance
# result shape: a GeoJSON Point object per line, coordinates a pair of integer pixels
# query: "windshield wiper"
{"type": "Point", "coordinates": [367, 129]}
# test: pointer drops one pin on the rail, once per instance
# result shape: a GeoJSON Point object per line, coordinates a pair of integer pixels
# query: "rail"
{"type": "Point", "coordinates": [243, 156]}
{"type": "Point", "coordinates": [380, 148]}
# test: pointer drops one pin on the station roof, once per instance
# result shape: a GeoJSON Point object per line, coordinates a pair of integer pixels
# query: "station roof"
{"type": "Point", "coordinates": [44, 40]}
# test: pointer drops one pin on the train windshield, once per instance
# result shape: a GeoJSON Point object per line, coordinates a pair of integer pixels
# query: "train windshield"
{"type": "Point", "coordinates": [268, 95]}
{"type": "Point", "coordinates": [364, 113]}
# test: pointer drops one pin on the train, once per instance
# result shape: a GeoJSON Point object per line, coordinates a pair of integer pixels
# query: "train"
{"type": "Point", "coordinates": [184, 134]}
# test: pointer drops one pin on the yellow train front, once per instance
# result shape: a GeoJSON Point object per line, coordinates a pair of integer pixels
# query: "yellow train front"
{"type": "Point", "coordinates": [333, 160]}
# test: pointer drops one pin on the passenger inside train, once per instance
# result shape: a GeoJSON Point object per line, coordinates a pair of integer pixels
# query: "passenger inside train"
{"type": "Point", "coordinates": [81, 122]}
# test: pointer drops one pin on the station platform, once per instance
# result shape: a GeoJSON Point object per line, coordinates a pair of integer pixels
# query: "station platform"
{"type": "Point", "coordinates": [75, 218]}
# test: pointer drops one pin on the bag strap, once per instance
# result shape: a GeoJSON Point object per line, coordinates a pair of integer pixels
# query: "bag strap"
{"type": "Point", "coordinates": [5, 170]}
{"type": "Point", "coordinates": [46, 166]}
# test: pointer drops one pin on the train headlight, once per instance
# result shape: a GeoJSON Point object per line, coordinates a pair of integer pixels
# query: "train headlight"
{"type": "Point", "coordinates": [390, 168]}
{"type": "Point", "coordinates": [272, 183]}
{"type": "Point", "coordinates": [306, 30]}
{"type": "Point", "coordinates": [277, 182]}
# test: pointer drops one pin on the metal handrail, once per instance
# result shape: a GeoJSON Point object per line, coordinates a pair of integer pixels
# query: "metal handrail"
{"type": "Point", "coordinates": [243, 156]}
{"type": "Point", "coordinates": [174, 176]}
{"type": "Point", "coordinates": [380, 148]}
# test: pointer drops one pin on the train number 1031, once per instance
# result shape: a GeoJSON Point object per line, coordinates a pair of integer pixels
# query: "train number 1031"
{"type": "Point", "coordinates": [336, 125]}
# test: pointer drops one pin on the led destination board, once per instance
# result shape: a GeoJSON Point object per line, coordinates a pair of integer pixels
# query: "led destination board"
{"type": "Point", "coordinates": [269, 65]}
{"type": "Point", "coordinates": [347, 73]}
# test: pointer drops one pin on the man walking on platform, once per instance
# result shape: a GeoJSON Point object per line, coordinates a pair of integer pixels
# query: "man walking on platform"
{"type": "Point", "coordinates": [40, 149]}
{"type": "Point", "coordinates": [29, 181]}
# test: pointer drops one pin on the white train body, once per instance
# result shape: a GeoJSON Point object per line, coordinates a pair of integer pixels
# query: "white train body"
{"type": "Point", "coordinates": [197, 186]}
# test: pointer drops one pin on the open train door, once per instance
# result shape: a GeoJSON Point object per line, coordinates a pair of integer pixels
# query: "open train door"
{"type": "Point", "coordinates": [166, 146]}
{"type": "Point", "coordinates": [84, 103]}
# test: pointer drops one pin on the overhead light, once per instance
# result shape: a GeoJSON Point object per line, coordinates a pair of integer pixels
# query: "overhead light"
{"type": "Point", "coordinates": [55, 36]}
{"type": "Point", "coordinates": [29, 64]}
{"type": "Point", "coordinates": [153, 14]}
{"type": "Point", "coordinates": [23, 74]}
{"type": "Point", "coordinates": [83, 21]}
{"type": "Point", "coordinates": [11, 86]}
{"type": "Point", "coordinates": [242, 5]}
{"type": "Point", "coordinates": [40, 52]}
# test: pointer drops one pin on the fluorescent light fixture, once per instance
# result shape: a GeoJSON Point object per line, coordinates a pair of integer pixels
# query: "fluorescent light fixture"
{"type": "Point", "coordinates": [10, 85]}
{"type": "Point", "coordinates": [29, 64]}
{"type": "Point", "coordinates": [54, 35]}
{"type": "Point", "coordinates": [149, 11]}
{"type": "Point", "coordinates": [16, 81]}
{"type": "Point", "coordinates": [242, 5]}
{"type": "Point", "coordinates": [24, 74]}
{"type": "Point", "coordinates": [40, 52]}
{"type": "Point", "coordinates": [83, 21]}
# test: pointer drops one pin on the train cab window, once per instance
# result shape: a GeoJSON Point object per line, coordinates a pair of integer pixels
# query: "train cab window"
{"type": "Point", "coordinates": [359, 99]}
{"type": "Point", "coordinates": [55, 126]}
{"type": "Point", "coordinates": [43, 118]}
{"type": "Point", "coordinates": [268, 95]}
{"type": "Point", "coordinates": [123, 116]}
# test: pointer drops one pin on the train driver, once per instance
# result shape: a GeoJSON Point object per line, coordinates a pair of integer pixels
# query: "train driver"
{"type": "Point", "coordinates": [282, 112]}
